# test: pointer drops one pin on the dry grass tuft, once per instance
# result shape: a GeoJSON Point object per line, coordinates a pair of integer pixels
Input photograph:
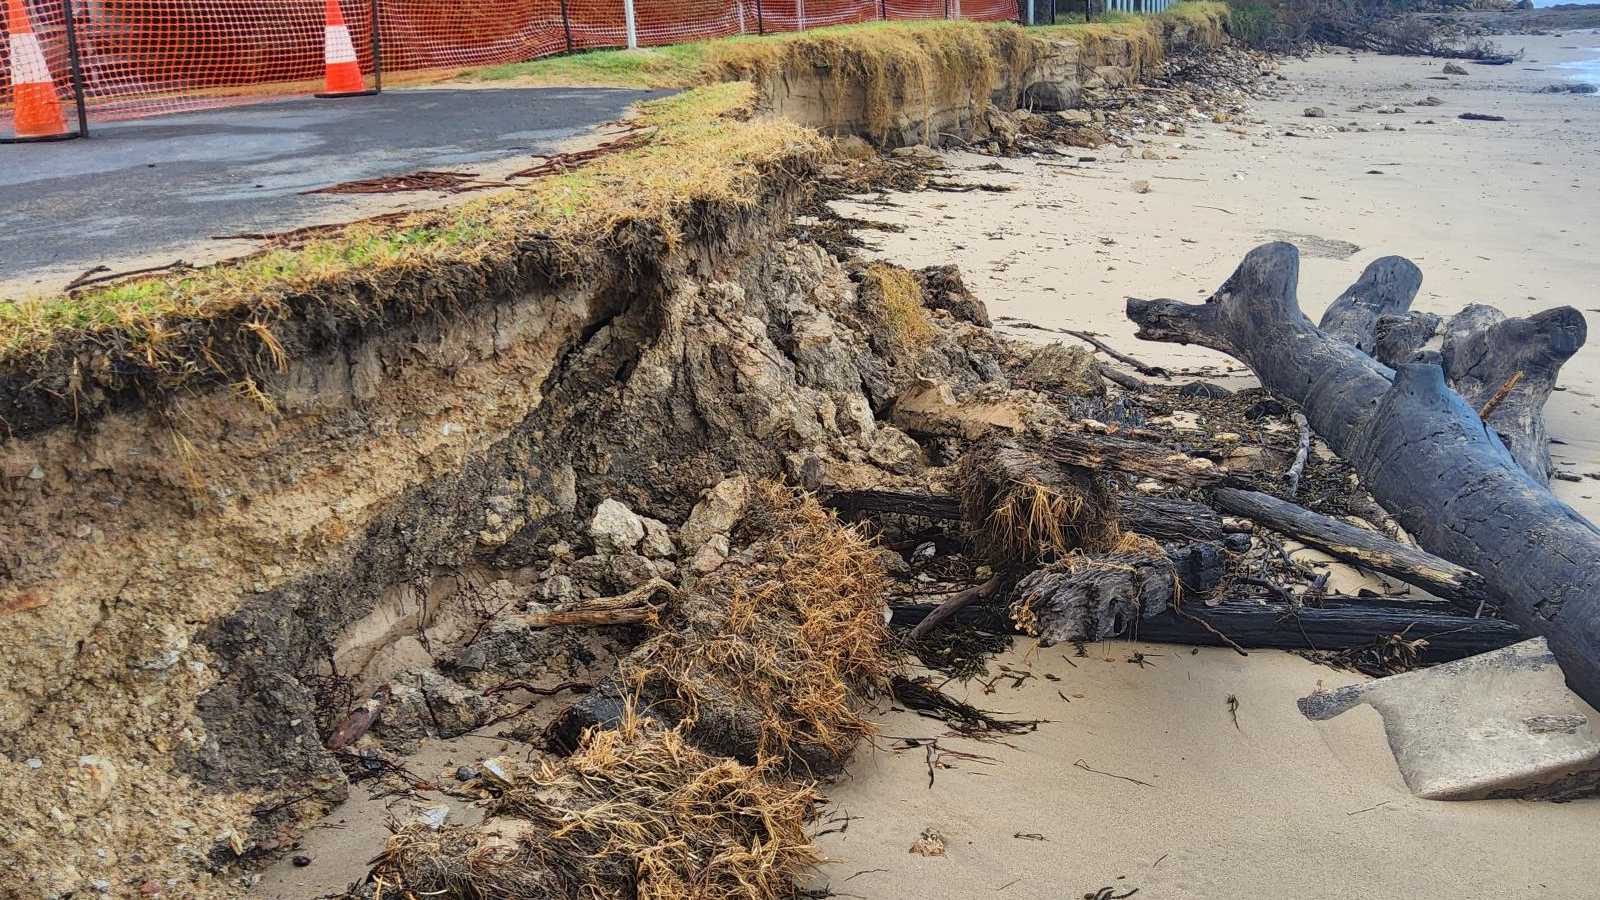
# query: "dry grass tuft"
{"type": "Point", "coordinates": [1020, 508]}
{"type": "Point", "coordinates": [899, 304]}
{"type": "Point", "coordinates": [775, 654]}
{"type": "Point", "coordinates": [637, 812]}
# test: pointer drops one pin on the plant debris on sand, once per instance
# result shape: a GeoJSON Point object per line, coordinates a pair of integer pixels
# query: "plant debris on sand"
{"type": "Point", "coordinates": [775, 654]}
{"type": "Point", "coordinates": [637, 812]}
{"type": "Point", "coordinates": [759, 676]}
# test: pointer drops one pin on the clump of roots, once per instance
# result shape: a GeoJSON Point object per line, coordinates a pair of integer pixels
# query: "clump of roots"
{"type": "Point", "coordinates": [637, 812]}
{"type": "Point", "coordinates": [1020, 508]}
{"type": "Point", "coordinates": [774, 654]}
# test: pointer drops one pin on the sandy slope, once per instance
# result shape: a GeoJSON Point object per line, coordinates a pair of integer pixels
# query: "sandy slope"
{"type": "Point", "coordinates": [1502, 213]}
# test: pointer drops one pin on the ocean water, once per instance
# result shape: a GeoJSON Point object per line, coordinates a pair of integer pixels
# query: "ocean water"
{"type": "Point", "coordinates": [1586, 69]}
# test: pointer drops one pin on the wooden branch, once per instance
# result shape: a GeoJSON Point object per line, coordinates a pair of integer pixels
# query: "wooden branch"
{"type": "Point", "coordinates": [1488, 407]}
{"type": "Point", "coordinates": [1357, 545]}
{"type": "Point", "coordinates": [1420, 450]}
{"type": "Point", "coordinates": [1302, 453]}
{"type": "Point", "coordinates": [1148, 371]}
{"type": "Point", "coordinates": [631, 608]}
{"type": "Point", "coordinates": [952, 606]}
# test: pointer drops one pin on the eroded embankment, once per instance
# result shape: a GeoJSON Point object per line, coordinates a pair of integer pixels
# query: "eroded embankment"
{"type": "Point", "coordinates": [232, 501]}
{"type": "Point", "coordinates": [907, 85]}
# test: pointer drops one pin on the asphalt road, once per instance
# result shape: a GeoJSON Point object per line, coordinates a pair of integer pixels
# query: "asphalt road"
{"type": "Point", "coordinates": [137, 188]}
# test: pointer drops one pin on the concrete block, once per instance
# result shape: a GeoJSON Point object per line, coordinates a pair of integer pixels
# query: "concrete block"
{"type": "Point", "coordinates": [1498, 725]}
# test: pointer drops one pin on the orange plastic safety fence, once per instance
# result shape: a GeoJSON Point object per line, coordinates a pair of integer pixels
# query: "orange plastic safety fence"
{"type": "Point", "coordinates": [141, 57]}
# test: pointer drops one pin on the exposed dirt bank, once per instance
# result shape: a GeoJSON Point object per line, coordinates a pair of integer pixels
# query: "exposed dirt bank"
{"type": "Point", "coordinates": [220, 531]}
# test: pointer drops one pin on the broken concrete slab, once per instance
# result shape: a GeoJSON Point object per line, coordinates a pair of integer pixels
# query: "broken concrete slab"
{"type": "Point", "coordinates": [1499, 725]}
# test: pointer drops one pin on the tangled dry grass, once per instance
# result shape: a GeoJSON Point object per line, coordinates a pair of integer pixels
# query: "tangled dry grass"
{"type": "Point", "coordinates": [896, 296]}
{"type": "Point", "coordinates": [1022, 509]}
{"type": "Point", "coordinates": [638, 813]}
{"type": "Point", "coordinates": [775, 654]}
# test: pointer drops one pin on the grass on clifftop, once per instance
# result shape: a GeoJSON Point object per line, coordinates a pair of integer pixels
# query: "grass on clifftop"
{"type": "Point", "coordinates": [684, 65]}
{"type": "Point", "coordinates": [702, 147]}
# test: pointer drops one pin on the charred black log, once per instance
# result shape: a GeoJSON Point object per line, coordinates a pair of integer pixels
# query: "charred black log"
{"type": "Point", "coordinates": [1339, 624]}
{"type": "Point", "coordinates": [1421, 451]}
{"type": "Point", "coordinates": [1336, 625]}
{"type": "Point", "coordinates": [1163, 518]}
{"type": "Point", "coordinates": [902, 503]}
{"type": "Point", "coordinates": [1365, 548]}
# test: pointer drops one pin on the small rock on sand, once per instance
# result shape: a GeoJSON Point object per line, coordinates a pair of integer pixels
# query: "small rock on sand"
{"type": "Point", "coordinates": [1141, 186]}
{"type": "Point", "coordinates": [1451, 68]}
{"type": "Point", "coordinates": [1315, 112]}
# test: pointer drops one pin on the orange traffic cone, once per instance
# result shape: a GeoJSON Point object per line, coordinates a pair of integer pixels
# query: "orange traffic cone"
{"type": "Point", "coordinates": [339, 55]}
{"type": "Point", "coordinates": [36, 109]}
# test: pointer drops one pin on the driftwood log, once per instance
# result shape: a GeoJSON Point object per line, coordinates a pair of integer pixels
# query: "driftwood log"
{"type": "Point", "coordinates": [1419, 448]}
{"type": "Point", "coordinates": [1505, 368]}
{"type": "Point", "coordinates": [1093, 598]}
{"type": "Point", "coordinates": [1359, 546]}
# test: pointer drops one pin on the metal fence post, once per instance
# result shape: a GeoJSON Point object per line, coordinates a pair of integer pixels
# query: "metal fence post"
{"type": "Point", "coordinates": [77, 69]}
{"type": "Point", "coordinates": [883, 10]}
{"type": "Point", "coordinates": [627, 19]}
{"type": "Point", "coordinates": [761, 20]}
{"type": "Point", "coordinates": [566, 24]}
{"type": "Point", "coordinates": [800, 15]}
{"type": "Point", "coordinates": [377, 51]}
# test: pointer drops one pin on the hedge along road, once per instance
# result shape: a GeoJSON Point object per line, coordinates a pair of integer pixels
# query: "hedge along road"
{"type": "Point", "coordinates": [150, 191]}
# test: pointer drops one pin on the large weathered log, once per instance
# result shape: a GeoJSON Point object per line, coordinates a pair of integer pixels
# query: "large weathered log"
{"type": "Point", "coordinates": [1163, 518]}
{"type": "Point", "coordinates": [1421, 451]}
{"type": "Point", "coordinates": [1361, 546]}
{"type": "Point", "coordinates": [1385, 288]}
{"type": "Point", "coordinates": [1505, 368]}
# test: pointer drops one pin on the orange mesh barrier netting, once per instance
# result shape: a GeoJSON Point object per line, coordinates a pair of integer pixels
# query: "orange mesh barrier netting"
{"type": "Point", "coordinates": [141, 57]}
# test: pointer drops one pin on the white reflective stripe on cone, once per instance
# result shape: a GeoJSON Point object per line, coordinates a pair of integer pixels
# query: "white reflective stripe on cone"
{"type": "Point", "coordinates": [27, 60]}
{"type": "Point", "coordinates": [340, 49]}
